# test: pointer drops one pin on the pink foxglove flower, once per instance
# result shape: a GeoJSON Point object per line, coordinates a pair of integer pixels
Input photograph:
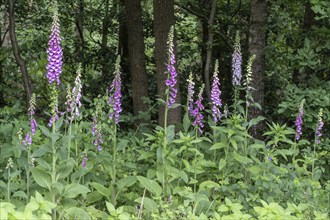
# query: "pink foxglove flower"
{"type": "Point", "coordinates": [115, 94]}
{"type": "Point", "coordinates": [171, 71]}
{"type": "Point", "coordinates": [54, 51]}
{"type": "Point", "coordinates": [197, 113]}
{"type": "Point", "coordinates": [319, 127]}
{"type": "Point", "coordinates": [299, 120]}
{"type": "Point", "coordinates": [215, 94]}
{"type": "Point", "coordinates": [237, 62]}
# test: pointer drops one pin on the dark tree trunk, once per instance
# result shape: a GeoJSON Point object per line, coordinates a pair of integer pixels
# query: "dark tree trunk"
{"type": "Point", "coordinates": [163, 20]}
{"type": "Point", "coordinates": [80, 31]}
{"type": "Point", "coordinates": [209, 50]}
{"type": "Point", "coordinates": [4, 42]}
{"type": "Point", "coordinates": [104, 44]}
{"type": "Point", "coordinates": [137, 65]}
{"type": "Point", "coordinates": [257, 47]}
{"type": "Point", "coordinates": [20, 61]}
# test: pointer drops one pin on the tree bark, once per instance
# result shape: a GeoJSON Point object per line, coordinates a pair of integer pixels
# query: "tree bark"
{"type": "Point", "coordinates": [163, 20]}
{"type": "Point", "coordinates": [4, 42]}
{"type": "Point", "coordinates": [209, 50]}
{"type": "Point", "coordinates": [104, 43]}
{"type": "Point", "coordinates": [137, 65]}
{"type": "Point", "coordinates": [257, 47]}
{"type": "Point", "coordinates": [80, 31]}
{"type": "Point", "coordinates": [20, 61]}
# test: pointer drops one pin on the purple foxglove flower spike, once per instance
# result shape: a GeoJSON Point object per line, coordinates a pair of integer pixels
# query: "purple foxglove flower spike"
{"type": "Point", "coordinates": [96, 131]}
{"type": "Point", "coordinates": [197, 113]}
{"type": "Point", "coordinates": [215, 94]}
{"type": "Point", "coordinates": [54, 51]}
{"type": "Point", "coordinates": [190, 97]}
{"type": "Point", "coordinates": [115, 93]}
{"type": "Point", "coordinates": [171, 70]}
{"type": "Point", "coordinates": [237, 62]}
{"type": "Point", "coordinates": [319, 127]}
{"type": "Point", "coordinates": [299, 120]}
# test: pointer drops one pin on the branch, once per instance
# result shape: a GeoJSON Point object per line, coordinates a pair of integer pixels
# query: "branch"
{"type": "Point", "coordinates": [4, 36]}
{"type": "Point", "coordinates": [20, 61]}
{"type": "Point", "coordinates": [191, 11]}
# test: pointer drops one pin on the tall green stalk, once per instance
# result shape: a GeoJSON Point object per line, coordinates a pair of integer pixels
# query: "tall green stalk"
{"type": "Point", "coordinates": [114, 172]}
{"type": "Point", "coordinates": [53, 169]}
{"type": "Point", "coordinates": [165, 149]}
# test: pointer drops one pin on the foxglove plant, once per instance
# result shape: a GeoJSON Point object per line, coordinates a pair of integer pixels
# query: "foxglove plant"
{"type": "Point", "coordinates": [248, 83]}
{"type": "Point", "coordinates": [197, 113]}
{"type": "Point", "coordinates": [318, 135]}
{"type": "Point", "coordinates": [54, 71]}
{"type": "Point", "coordinates": [171, 71]}
{"type": "Point", "coordinates": [190, 97]}
{"type": "Point", "coordinates": [171, 93]}
{"type": "Point", "coordinates": [236, 66]}
{"type": "Point", "coordinates": [115, 93]}
{"type": "Point", "coordinates": [215, 94]}
{"type": "Point", "coordinates": [54, 51]}
{"type": "Point", "coordinates": [319, 127]}
{"type": "Point", "coordinates": [237, 62]}
{"type": "Point", "coordinates": [299, 120]}
{"type": "Point", "coordinates": [96, 131]}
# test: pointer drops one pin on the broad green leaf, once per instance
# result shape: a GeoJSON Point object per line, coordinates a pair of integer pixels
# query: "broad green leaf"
{"type": "Point", "coordinates": [74, 189]}
{"type": "Point", "coordinates": [45, 131]}
{"type": "Point", "coordinates": [41, 177]}
{"type": "Point", "coordinates": [110, 207]}
{"type": "Point", "coordinates": [242, 159]}
{"type": "Point", "coordinates": [218, 145]}
{"type": "Point", "coordinates": [126, 182]}
{"type": "Point", "coordinates": [101, 189]}
{"type": "Point", "coordinates": [150, 185]}
{"type": "Point", "coordinates": [222, 164]}
{"type": "Point", "coordinates": [65, 168]}
{"type": "Point", "coordinates": [148, 203]}
{"type": "Point", "coordinates": [208, 184]}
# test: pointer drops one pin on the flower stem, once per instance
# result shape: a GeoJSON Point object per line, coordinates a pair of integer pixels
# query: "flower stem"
{"type": "Point", "coordinates": [53, 169]}
{"type": "Point", "coordinates": [164, 149]}
{"type": "Point", "coordinates": [114, 173]}
{"type": "Point", "coordinates": [8, 185]}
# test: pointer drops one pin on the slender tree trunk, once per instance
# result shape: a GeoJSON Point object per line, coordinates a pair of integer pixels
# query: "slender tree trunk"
{"type": "Point", "coordinates": [4, 42]}
{"type": "Point", "coordinates": [137, 65]}
{"type": "Point", "coordinates": [80, 31]}
{"type": "Point", "coordinates": [209, 45]}
{"type": "Point", "coordinates": [163, 20]}
{"type": "Point", "coordinates": [257, 47]}
{"type": "Point", "coordinates": [20, 61]}
{"type": "Point", "coordinates": [104, 43]}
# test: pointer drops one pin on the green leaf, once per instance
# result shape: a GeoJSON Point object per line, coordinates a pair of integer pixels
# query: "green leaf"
{"type": "Point", "coordinates": [222, 164]}
{"type": "Point", "coordinates": [233, 143]}
{"type": "Point", "coordinates": [76, 213]}
{"type": "Point", "coordinates": [101, 189]}
{"type": "Point", "coordinates": [170, 133]}
{"type": "Point", "coordinates": [218, 145]}
{"type": "Point", "coordinates": [150, 185]}
{"type": "Point", "coordinates": [208, 184]}
{"type": "Point", "coordinates": [110, 207]}
{"type": "Point", "coordinates": [242, 159]}
{"type": "Point", "coordinates": [148, 203]}
{"type": "Point", "coordinates": [74, 189]}
{"type": "Point", "coordinates": [41, 177]}
{"type": "Point", "coordinates": [45, 131]}
{"type": "Point", "coordinates": [126, 182]}
{"type": "Point", "coordinates": [186, 122]}
{"type": "Point", "coordinates": [65, 168]}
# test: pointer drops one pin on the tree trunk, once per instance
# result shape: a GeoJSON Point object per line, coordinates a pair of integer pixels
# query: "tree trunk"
{"type": "Point", "coordinates": [4, 42]}
{"type": "Point", "coordinates": [137, 65]}
{"type": "Point", "coordinates": [257, 47]}
{"type": "Point", "coordinates": [163, 20]}
{"type": "Point", "coordinates": [209, 46]}
{"type": "Point", "coordinates": [80, 31]}
{"type": "Point", "coordinates": [104, 44]}
{"type": "Point", "coordinates": [20, 61]}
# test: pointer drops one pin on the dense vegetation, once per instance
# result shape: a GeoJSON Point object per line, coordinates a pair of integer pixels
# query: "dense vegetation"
{"type": "Point", "coordinates": [206, 109]}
